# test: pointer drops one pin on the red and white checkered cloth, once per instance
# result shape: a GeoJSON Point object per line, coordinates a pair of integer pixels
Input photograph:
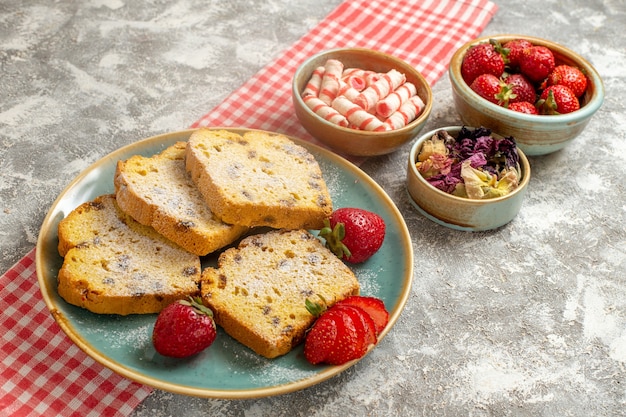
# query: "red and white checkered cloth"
{"type": "Point", "coordinates": [41, 371]}
{"type": "Point", "coordinates": [424, 33]}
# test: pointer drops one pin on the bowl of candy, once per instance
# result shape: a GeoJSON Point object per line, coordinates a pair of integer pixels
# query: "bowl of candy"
{"type": "Point", "coordinates": [360, 102]}
{"type": "Point", "coordinates": [467, 178]}
{"type": "Point", "coordinates": [535, 90]}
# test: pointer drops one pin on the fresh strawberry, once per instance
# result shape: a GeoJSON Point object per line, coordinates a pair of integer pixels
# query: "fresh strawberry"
{"type": "Point", "coordinates": [521, 89]}
{"type": "Point", "coordinates": [515, 48]}
{"type": "Point", "coordinates": [343, 332]}
{"type": "Point", "coordinates": [334, 339]}
{"type": "Point", "coordinates": [320, 339]}
{"type": "Point", "coordinates": [558, 99]}
{"type": "Point", "coordinates": [523, 107]}
{"type": "Point", "coordinates": [537, 62]}
{"type": "Point", "coordinates": [483, 58]}
{"type": "Point", "coordinates": [354, 234]}
{"type": "Point", "coordinates": [184, 328]}
{"type": "Point", "coordinates": [490, 87]}
{"type": "Point", "coordinates": [569, 76]}
{"type": "Point", "coordinates": [373, 306]}
{"type": "Point", "coordinates": [363, 323]}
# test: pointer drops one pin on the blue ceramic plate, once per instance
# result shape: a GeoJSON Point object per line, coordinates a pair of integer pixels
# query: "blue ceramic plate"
{"type": "Point", "coordinates": [227, 369]}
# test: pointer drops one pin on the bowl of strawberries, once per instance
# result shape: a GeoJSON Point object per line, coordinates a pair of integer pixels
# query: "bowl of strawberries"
{"type": "Point", "coordinates": [536, 90]}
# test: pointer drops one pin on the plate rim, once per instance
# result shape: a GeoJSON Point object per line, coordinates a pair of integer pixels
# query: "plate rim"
{"type": "Point", "coordinates": [325, 373]}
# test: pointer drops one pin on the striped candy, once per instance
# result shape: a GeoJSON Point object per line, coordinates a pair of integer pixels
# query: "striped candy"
{"type": "Point", "coordinates": [362, 99]}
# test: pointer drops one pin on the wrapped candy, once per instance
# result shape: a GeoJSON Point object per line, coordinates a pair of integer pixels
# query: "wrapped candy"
{"type": "Point", "coordinates": [380, 89]}
{"type": "Point", "coordinates": [357, 117]}
{"type": "Point", "coordinates": [355, 82]}
{"type": "Point", "coordinates": [348, 91]}
{"type": "Point", "coordinates": [325, 111]}
{"type": "Point", "coordinates": [330, 80]}
{"type": "Point", "coordinates": [361, 99]}
{"type": "Point", "coordinates": [406, 113]}
{"type": "Point", "coordinates": [395, 99]}
{"type": "Point", "coordinates": [363, 78]}
{"type": "Point", "coordinates": [314, 84]}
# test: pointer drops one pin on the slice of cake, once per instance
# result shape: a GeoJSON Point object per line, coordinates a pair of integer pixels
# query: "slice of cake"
{"type": "Point", "coordinates": [115, 265]}
{"type": "Point", "coordinates": [158, 192]}
{"type": "Point", "coordinates": [258, 179]}
{"type": "Point", "coordinates": [258, 290]}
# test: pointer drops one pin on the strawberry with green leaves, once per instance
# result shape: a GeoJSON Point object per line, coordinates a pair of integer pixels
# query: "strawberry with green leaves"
{"type": "Point", "coordinates": [483, 58]}
{"type": "Point", "coordinates": [514, 49]}
{"type": "Point", "coordinates": [354, 234]}
{"type": "Point", "coordinates": [514, 88]}
{"type": "Point", "coordinates": [521, 89]}
{"type": "Point", "coordinates": [184, 328]}
{"type": "Point", "coordinates": [345, 331]}
{"type": "Point", "coordinates": [558, 99]}
{"type": "Point", "coordinates": [490, 87]}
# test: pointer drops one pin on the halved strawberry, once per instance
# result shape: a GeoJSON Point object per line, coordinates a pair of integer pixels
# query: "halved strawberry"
{"type": "Point", "coordinates": [320, 339]}
{"type": "Point", "coordinates": [350, 341]}
{"type": "Point", "coordinates": [373, 306]}
{"type": "Point", "coordinates": [363, 322]}
{"type": "Point", "coordinates": [336, 337]}
{"type": "Point", "coordinates": [345, 331]}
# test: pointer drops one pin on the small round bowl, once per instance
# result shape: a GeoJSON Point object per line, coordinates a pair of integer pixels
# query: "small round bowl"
{"type": "Point", "coordinates": [457, 212]}
{"type": "Point", "coordinates": [535, 134]}
{"type": "Point", "coordinates": [352, 141]}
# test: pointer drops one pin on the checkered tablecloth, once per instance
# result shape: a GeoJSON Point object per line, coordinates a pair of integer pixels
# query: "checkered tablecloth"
{"type": "Point", "coordinates": [423, 33]}
{"type": "Point", "coordinates": [41, 371]}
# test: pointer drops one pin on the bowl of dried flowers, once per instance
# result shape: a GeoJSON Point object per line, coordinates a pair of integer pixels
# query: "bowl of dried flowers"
{"type": "Point", "coordinates": [467, 178]}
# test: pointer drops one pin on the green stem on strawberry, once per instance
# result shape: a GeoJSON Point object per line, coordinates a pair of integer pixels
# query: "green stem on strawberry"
{"type": "Point", "coordinates": [334, 239]}
{"type": "Point", "coordinates": [197, 305]}
{"type": "Point", "coordinates": [316, 309]}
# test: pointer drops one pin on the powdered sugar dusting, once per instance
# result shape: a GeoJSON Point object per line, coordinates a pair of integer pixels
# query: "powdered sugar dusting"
{"type": "Point", "coordinates": [600, 315]}
{"type": "Point", "coordinates": [275, 371]}
{"type": "Point", "coordinates": [333, 179]}
{"type": "Point", "coordinates": [369, 279]}
{"type": "Point", "coordinates": [120, 336]}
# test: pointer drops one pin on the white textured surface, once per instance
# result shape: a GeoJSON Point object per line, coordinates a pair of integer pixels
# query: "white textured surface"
{"type": "Point", "coordinates": [529, 320]}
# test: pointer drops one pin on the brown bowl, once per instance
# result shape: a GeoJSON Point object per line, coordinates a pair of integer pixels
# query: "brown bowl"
{"type": "Point", "coordinates": [350, 141]}
{"type": "Point", "coordinates": [535, 134]}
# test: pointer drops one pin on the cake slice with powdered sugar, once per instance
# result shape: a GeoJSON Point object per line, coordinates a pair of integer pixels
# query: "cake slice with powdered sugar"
{"type": "Point", "coordinates": [258, 179]}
